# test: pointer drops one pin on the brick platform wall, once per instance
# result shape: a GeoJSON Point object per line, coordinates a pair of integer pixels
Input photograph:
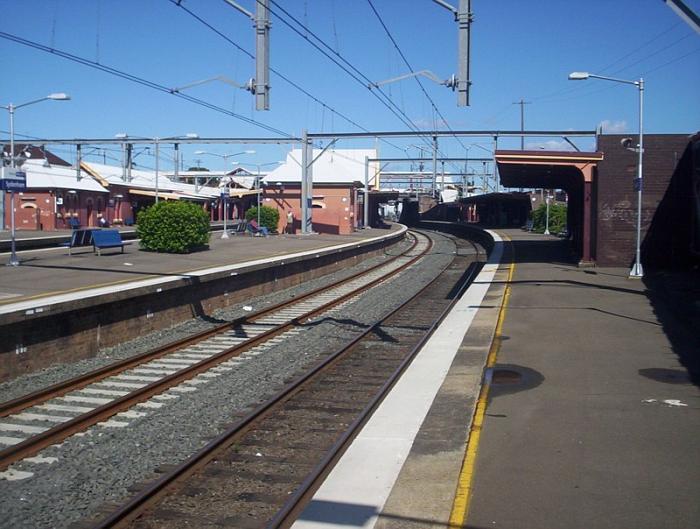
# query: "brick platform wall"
{"type": "Point", "coordinates": [74, 334]}
{"type": "Point", "coordinates": [616, 198]}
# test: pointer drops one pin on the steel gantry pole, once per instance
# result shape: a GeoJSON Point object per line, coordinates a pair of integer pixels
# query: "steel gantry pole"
{"type": "Point", "coordinates": [435, 149]}
{"type": "Point", "coordinates": [464, 19]}
{"type": "Point", "coordinates": [306, 184]}
{"type": "Point", "coordinates": [157, 144]}
{"type": "Point", "coordinates": [365, 202]}
{"type": "Point", "coordinates": [262, 55]}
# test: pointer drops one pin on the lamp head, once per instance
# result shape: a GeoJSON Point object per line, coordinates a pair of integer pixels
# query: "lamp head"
{"type": "Point", "coordinates": [249, 152]}
{"type": "Point", "coordinates": [60, 96]}
{"type": "Point", "coordinates": [578, 76]}
{"type": "Point", "coordinates": [192, 136]}
{"type": "Point", "coordinates": [121, 136]}
{"type": "Point", "coordinates": [201, 152]}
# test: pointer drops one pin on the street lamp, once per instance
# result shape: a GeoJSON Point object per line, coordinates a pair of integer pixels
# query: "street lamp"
{"type": "Point", "coordinates": [226, 196]}
{"type": "Point", "coordinates": [188, 136]}
{"type": "Point", "coordinates": [636, 270]}
{"type": "Point", "coordinates": [546, 222]}
{"type": "Point", "coordinates": [60, 96]}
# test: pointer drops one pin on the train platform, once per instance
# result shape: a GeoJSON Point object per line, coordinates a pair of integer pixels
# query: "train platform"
{"type": "Point", "coordinates": [51, 275]}
{"type": "Point", "coordinates": [553, 396]}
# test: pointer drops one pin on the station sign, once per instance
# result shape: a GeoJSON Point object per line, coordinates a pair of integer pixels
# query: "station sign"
{"type": "Point", "coordinates": [13, 180]}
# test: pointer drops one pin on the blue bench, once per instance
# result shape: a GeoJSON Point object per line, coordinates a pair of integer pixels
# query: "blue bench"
{"type": "Point", "coordinates": [79, 238]}
{"type": "Point", "coordinates": [74, 223]}
{"type": "Point", "coordinates": [106, 239]}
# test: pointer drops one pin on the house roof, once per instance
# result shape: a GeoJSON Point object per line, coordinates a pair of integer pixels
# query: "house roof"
{"type": "Point", "coordinates": [334, 166]}
{"type": "Point", "coordinates": [40, 176]}
{"type": "Point", "coordinates": [35, 153]}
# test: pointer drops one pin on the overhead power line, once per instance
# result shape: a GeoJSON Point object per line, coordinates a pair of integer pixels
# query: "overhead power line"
{"type": "Point", "coordinates": [408, 65]}
{"type": "Point", "coordinates": [345, 65]}
{"type": "Point", "coordinates": [273, 70]}
{"type": "Point", "coordinates": [139, 80]}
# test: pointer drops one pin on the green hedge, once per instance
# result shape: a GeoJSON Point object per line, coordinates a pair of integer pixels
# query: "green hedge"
{"type": "Point", "coordinates": [173, 227]}
{"type": "Point", "coordinates": [269, 217]}
{"type": "Point", "coordinates": [557, 218]}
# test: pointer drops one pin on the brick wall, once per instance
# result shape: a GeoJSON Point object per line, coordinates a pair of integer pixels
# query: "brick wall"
{"type": "Point", "coordinates": [68, 333]}
{"type": "Point", "coordinates": [616, 198]}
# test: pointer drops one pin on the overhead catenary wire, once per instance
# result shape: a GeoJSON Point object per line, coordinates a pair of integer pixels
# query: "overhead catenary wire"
{"type": "Point", "coordinates": [273, 70]}
{"type": "Point", "coordinates": [140, 80]}
{"type": "Point", "coordinates": [347, 67]}
{"type": "Point", "coordinates": [408, 65]}
{"type": "Point", "coordinates": [603, 69]}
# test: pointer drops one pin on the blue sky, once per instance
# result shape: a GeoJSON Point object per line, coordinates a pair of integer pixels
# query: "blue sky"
{"type": "Point", "coordinates": [519, 49]}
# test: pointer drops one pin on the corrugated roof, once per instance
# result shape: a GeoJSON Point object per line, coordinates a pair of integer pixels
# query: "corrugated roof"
{"type": "Point", "coordinates": [40, 176]}
{"type": "Point", "coordinates": [146, 180]}
{"type": "Point", "coordinates": [334, 166]}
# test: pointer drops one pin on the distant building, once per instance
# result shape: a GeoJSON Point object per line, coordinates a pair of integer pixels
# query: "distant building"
{"type": "Point", "coordinates": [338, 175]}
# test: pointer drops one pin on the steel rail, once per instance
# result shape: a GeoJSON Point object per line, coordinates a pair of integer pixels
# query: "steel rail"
{"type": "Point", "coordinates": [298, 500]}
{"type": "Point", "coordinates": [153, 492]}
{"type": "Point", "coordinates": [73, 384]}
{"type": "Point", "coordinates": [34, 444]}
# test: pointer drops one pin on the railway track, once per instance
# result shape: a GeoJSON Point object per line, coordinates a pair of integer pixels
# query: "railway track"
{"type": "Point", "coordinates": [114, 393]}
{"type": "Point", "coordinates": [265, 467]}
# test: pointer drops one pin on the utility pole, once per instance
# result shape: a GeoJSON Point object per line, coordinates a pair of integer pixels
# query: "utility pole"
{"type": "Point", "coordinates": [522, 104]}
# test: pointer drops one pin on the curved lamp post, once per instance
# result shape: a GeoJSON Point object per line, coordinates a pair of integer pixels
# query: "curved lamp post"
{"type": "Point", "coordinates": [60, 96]}
{"type": "Point", "coordinates": [636, 270]}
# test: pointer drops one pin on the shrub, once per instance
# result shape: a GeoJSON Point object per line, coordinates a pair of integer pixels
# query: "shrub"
{"type": "Point", "coordinates": [269, 217]}
{"type": "Point", "coordinates": [173, 227]}
{"type": "Point", "coordinates": [557, 218]}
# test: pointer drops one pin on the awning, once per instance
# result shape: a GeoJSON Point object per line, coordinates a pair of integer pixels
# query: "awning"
{"type": "Point", "coordinates": [242, 192]}
{"type": "Point", "coordinates": [164, 196]}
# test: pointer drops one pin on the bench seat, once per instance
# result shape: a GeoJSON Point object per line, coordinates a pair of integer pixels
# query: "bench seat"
{"type": "Point", "coordinates": [78, 238]}
{"type": "Point", "coordinates": [102, 239]}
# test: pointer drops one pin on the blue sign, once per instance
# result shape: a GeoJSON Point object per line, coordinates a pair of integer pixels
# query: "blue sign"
{"type": "Point", "coordinates": [16, 182]}
{"type": "Point", "coordinates": [637, 184]}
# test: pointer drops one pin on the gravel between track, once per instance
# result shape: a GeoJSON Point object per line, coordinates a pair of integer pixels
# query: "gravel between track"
{"type": "Point", "coordinates": [100, 465]}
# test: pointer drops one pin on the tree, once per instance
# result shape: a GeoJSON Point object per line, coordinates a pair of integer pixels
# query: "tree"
{"type": "Point", "coordinates": [557, 218]}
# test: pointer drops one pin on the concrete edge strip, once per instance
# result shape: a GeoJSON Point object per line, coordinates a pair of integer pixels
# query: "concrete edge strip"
{"type": "Point", "coordinates": [45, 301]}
{"type": "Point", "coordinates": [364, 477]}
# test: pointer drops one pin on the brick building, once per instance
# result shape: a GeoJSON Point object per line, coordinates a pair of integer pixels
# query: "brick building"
{"type": "Point", "coordinates": [602, 202]}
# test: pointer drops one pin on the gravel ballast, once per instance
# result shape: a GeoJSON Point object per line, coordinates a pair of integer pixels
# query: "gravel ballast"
{"type": "Point", "coordinates": [103, 463]}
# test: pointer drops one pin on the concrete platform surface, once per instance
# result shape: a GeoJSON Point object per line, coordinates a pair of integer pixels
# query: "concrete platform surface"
{"type": "Point", "coordinates": [587, 419]}
{"type": "Point", "coordinates": [52, 272]}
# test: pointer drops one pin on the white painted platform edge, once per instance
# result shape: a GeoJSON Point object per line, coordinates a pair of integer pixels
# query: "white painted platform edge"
{"type": "Point", "coordinates": [365, 475]}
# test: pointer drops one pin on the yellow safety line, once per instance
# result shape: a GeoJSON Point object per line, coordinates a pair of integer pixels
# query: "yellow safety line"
{"type": "Point", "coordinates": [460, 505]}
